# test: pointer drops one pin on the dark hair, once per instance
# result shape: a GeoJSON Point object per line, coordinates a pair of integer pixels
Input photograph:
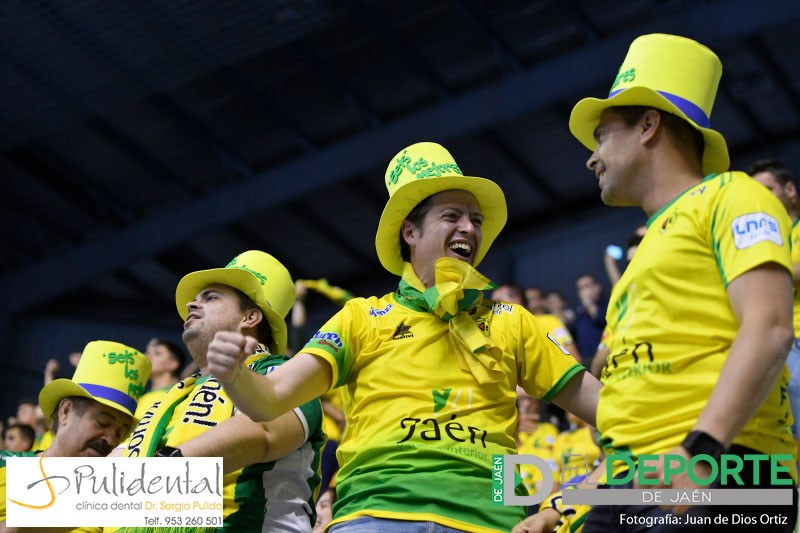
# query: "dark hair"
{"type": "Point", "coordinates": [542, 294]}
{"type": "Point", "coordinates": [514, 289]}
{"type": "Point", "coordinates": [27, 401]}
{"type": "Point", "coordinates": [26, 432]}
{"type": "Point", "coordinates": [79, 404]}
{"type": "Point", "coordinates": [415, 217]}
{"type": "Point", "coordinates": [556, 292]}
{"type": "Point", "coordinates": [175, 351]}
{"type": "Point", "coordinates": [778, 169]}
{"type": "Point", "coordinates": [681, 131]}
{"type": "Point", "coordinates": [263, 330]}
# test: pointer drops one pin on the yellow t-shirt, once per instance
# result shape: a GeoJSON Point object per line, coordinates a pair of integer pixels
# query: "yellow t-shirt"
{"type": "Point", "coordinates": [575, 453]}
{"type": "Point", "coordinates": [795, 260]}
{"type": "Point", "coordinates": [542, 438]}
{"type": "Point", "coordinates": [539, 443]}
{"type": "Point", "coordinates": [147, 399]}
{"type": "Point", "coordinates": [260, 496]}
{"type": "Point", "coordinates": [672, 324]}
{"type": "Point", "coordinates": [329, 424]}
{"type": "Point", "coordinates": [605, 339]}
{"type": "Point", "coordinates": [418, 426]}
{"type": "Point", "coordinates": [43, 441]}
{"type": "Point", "coordinates": [554, 325]}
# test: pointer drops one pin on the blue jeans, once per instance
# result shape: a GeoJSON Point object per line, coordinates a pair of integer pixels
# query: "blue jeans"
{"type": "Point", "coordinates": [793, 363]}
{"type": "Point", "coordinates": [368, 524]}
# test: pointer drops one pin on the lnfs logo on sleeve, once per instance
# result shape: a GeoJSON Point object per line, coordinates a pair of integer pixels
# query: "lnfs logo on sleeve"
{"type": "Point", "coordinates": [754, 228]}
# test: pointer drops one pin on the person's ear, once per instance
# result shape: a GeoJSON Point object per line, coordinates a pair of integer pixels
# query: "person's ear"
{"type": "Point", "coordinates": [65, 407]}
{"type": "Point", "coordinates": [791, 190]}
{"type": "Point", "coordinates": [409, 232]}
{"type": "Point", "coordinates": [649, 125]}
{"type": "Point", "coordinates": [252, 317]}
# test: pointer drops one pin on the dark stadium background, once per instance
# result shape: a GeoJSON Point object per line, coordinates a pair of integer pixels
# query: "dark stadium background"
{"type": "Point", "coordinates": [142, 140]}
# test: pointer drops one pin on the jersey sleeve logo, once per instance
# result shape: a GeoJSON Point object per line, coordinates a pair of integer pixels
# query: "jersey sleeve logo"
{"type": "Point", "coordinates": [379, 312]}
{"type": "Point", "coordinates": [754, 228]}
{"type": "Point", "coordinates": [554, 341]}
{"type": "Point", "coordinates": [328, 339]}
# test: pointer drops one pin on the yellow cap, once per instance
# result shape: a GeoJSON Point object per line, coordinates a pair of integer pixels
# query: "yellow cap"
{"type": "Point", "coordinates": [259, 276]}
{"type": "Point", "coordinates": [666, 72]}
{"type": "Point", "coordinates": [108, 372]}
{"type": "Point", "coordinates": [419, 171]}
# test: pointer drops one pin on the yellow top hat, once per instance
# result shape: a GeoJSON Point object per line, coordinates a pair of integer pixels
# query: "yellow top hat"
{"type": "Point", "coordinates": [667, 72]}
{"type": "Point", "coordinates": [419, 171]}
{"type": "Point", "coordinates": [259, 276]}
{"type": "Point", "coordinates": [108, 372]}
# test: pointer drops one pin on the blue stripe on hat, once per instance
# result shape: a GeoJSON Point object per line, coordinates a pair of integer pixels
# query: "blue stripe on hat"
{"type": "Point", "coordinates": [689, 108]}
{"type": "Point", "coordinates": [107, 393]}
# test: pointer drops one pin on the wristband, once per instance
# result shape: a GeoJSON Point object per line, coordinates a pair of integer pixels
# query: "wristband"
{"type": "Point", "coordinates": [169, 451]}
{"type": "Point", "coordinates": [701, 443]}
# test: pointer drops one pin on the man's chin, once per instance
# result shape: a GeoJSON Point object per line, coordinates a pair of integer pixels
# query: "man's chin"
{"type": "Point", "coordinates": [189, 334]}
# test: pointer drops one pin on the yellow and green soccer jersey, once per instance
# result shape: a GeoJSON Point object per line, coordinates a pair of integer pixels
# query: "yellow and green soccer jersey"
{"type": "Point", "coordinates": [329, 424]}
{"type": "Point", "coordinates": [575, 453]}
{"type": "Point", "coordinates": [148, 399]}
{"type": "Point", "coordinates": [795, 260]}
{"type": "Point", "coordinates": [672, 324]}
{"type": "Point", "coordinates": [605, 339]}
{"type": "Point", "coordinates": [542, 438]}
{"type": "Point", "coordinates": [43, 440]}
{"type": "Point", "coordinates": [274, 496]}
{"type": "Point", "coordinates": [421, 431]}
{"type": "Point", "coordinates": [539, 443]}
{"type": "Point", "coordinates": [554, 325]}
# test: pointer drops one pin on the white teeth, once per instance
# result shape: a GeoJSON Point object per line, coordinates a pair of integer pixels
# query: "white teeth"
{"type": "Point", "coordinates": [461, 246]}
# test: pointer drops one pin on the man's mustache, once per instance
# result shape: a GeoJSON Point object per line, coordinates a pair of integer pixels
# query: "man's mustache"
{"type": "Point", "coordinates": [101, 446]}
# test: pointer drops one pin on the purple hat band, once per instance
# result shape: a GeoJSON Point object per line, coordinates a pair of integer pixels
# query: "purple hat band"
{"type": "Point", "coordinates": [107, 393]}
{"type": "Point", "coordinates": [690, 109]}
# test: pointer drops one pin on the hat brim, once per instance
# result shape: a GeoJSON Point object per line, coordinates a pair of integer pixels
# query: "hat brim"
{"type": "Point", "coordinates": [58, 389]}
{"type": "Point", "coordinates": [191, 285]}
{"type": "Point", "coordinates": [490, 198]}
{"type": "Point", "coordinates": [586, 115]}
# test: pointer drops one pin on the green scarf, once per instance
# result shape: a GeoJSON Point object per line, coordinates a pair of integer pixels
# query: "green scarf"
{"type": "Point", "coordinates": [153, 427]}
{"type": "Point", "coordinates": [147, 436]}
{"type": "Point", "coordinates": [459, 288]}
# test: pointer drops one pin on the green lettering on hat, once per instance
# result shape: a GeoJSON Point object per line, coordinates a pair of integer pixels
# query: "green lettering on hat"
{"type": "Point", "coordinates": [135, 391]}
{"type": "Point", "coordinates": [114, 357]}
{"type": "Point", "coordinates": [261, 277]}
{"type": "Point", "coordinates": [402, 161]}
{"type": "Point", "coordinates": [624, 77]}
{"type": "Point", "coordinates": [438, 170]}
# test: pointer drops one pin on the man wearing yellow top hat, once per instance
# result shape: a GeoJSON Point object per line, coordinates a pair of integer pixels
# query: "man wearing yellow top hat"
{"type": "Point", "coordinates": [271, 469]}
{"type": "Point", "coordinates": [701, 320]}
{"type": "Point", "coordinates": [430, 371]}
{"type": "Point", "coordinates": [92, 412]}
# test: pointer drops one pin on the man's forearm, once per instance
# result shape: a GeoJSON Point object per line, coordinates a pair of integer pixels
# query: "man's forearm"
{"type": "Point", "coordinates": [253, 394]}
{"type": "Point", "coordinates": [755, 361]}
{"type": "Point", "coordinates": [238, 440]}
{"type": "Point", "coordinates": [579, 396]}
{"type": "Point", "coordinates": [242, 442]}
{"type": "Point", "coordinates": [264, 398]}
